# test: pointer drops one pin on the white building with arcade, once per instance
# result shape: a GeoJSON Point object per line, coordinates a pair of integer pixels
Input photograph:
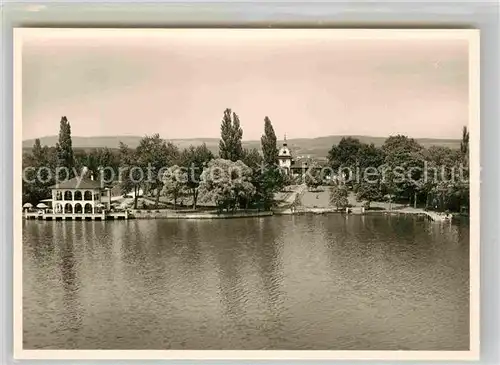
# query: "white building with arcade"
{"type": "Point", "coordinates": [77, 196]}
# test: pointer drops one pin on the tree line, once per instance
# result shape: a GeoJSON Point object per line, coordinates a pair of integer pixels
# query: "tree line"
{"type": "Point", "coordinates": [402, 170]}
{"type": "Point", "coordinates": [159, 168]}
{"type": "Point", "coordinates": [197, 173]}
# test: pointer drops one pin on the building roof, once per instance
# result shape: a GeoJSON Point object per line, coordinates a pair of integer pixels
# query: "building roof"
{"type": "Point", "coordinates": [78, 183]}
{"type": "Point", "coordinates": [284, 152]}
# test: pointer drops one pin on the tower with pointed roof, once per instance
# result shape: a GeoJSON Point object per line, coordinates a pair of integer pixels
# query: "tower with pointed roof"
{"type": "Point", "coordinates": [285, 157]}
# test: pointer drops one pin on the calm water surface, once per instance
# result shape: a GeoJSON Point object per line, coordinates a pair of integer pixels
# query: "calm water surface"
{"type": "Point", "coordinates": [303, 282]}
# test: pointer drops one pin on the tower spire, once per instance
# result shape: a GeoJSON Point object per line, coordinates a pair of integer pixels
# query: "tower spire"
{"type": "Point", "coordinates": [284, 142]}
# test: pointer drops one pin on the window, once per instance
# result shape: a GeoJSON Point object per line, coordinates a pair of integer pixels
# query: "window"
{"type": "Point", "coordinates": [58, 208]}
{"type": "Point", "coordinates": [78, 208]}
{"type": "Point", "coordinates": [88, 208]}
{"type": "Point", "coordinates": [68, 208]}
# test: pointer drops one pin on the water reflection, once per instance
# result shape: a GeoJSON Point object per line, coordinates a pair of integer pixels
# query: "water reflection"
{"type": "Point", "coordinates": [70, 285]}
{"type": "Point", "coordinates": [269, 266]}
{"type": "Point", "coordinates": [301, 282]}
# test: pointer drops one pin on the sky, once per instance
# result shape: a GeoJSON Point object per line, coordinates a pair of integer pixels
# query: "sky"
{"type": "Point", "coordinates": [178, 83]}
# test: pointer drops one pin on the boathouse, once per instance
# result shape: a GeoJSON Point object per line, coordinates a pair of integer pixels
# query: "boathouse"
{"type": "Point", "coordinates": [77, 196]}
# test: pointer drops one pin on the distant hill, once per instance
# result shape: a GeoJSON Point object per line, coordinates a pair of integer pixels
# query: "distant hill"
{"type": "Point", "coordinates": [314, 147]}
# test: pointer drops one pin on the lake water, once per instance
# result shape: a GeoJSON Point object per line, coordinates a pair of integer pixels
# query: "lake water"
{"type": "Point", "coordinates": [284, 282]}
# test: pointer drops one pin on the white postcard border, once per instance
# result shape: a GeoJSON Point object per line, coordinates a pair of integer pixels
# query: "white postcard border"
{"type": "Point", "coordinates": [471, 35]}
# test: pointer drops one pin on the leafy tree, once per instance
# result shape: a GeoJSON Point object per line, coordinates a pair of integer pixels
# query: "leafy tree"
{"type": "Point", "coordinates": [174, 183]}
{"type": "Point", "coordinates": [80, 156]}
{"type": "Point", "coordinates": [441, 156]}
{"type": "Point", "coordinates": [38, 173]}
{"type": "Point", "coordinates": [403, 167]}
{"type": "Point", "coordinates": [400, 143]}
{"type": "Point", "coordinates": [345, 154]}
{"type": "Point", "coordinates": [194, 160]}
{"type": "Point", "coordinates": [269, 145]}
{"type": "Point", "coordinates": [369, 191]}
{"type": "Point", "coordinates": [33, 191]}
{"type": "Point", "coordinates": [227, 184]}
{"type": "Point", "coordinates": [339, 196]}
{"type": "Point", "coordinates": [267, 184]}
{"type": "Point", "coordinates": [154, 155]}
{"type": "Point", "coordinates": [443, 185]}
{"type": "Point", "coordinates": [287, 180]}
{"type": "Point", "coordinates": [267, 179]}
{"type": "Point", "coordinates": [252, 158]}
{"type": "Point", "coordinates": [368, 186]}
{"type": "Point", "coordinates": [131, 175]}
{"type": "Point", "coordinates": [369, 156]}
{"type": "Point", "coordinates": [312, 177]}
{"type": "Point", "coordinates": [64, 147]}
{"type": "Point", "coordinates": [230, 147]}
{"type": "Point", "coordinates": [99, 161]}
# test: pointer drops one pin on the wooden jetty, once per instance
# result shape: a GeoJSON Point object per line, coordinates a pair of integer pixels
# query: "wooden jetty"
{"type": "Point", "coordinates": [105, 215]}
{"type": "Point", "coordinates": [437, 217]}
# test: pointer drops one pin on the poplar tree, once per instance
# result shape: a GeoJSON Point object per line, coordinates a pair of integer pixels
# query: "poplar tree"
{"type": "Point", "coordinates": [230, 147]}
{"type": "Point", "coordinates": [270, 179]}
{"type": "Point", "coordinates": [464, 145]}
{"type": "Point", "coordinates": [38, 154]}
{"type": "Point", "coordinates": [64, 147]}
{"type": "Point", "coordinates": [268, 142]}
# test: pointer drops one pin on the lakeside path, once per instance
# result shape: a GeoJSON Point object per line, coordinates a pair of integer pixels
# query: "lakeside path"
{"type": "Point", "coordinates": [314, 202]}
{"type": "Point", "coordinates": [318, 202]}
{"type": "Point", "coordinates": [285, 199]}
{"type": "Point", "coordinates": [321, 199]}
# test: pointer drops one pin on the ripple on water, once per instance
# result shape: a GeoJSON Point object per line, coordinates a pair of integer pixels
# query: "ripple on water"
{"type": "Point", "coordinates": [302, 282]}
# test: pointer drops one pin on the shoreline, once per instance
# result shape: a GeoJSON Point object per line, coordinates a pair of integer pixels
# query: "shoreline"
{"type": "Point", "coordinates": [171, 214]}
{"type": "Point", "coordinates": [212, 214]}
{"type": "Point", "coordinates": [433, 216]}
